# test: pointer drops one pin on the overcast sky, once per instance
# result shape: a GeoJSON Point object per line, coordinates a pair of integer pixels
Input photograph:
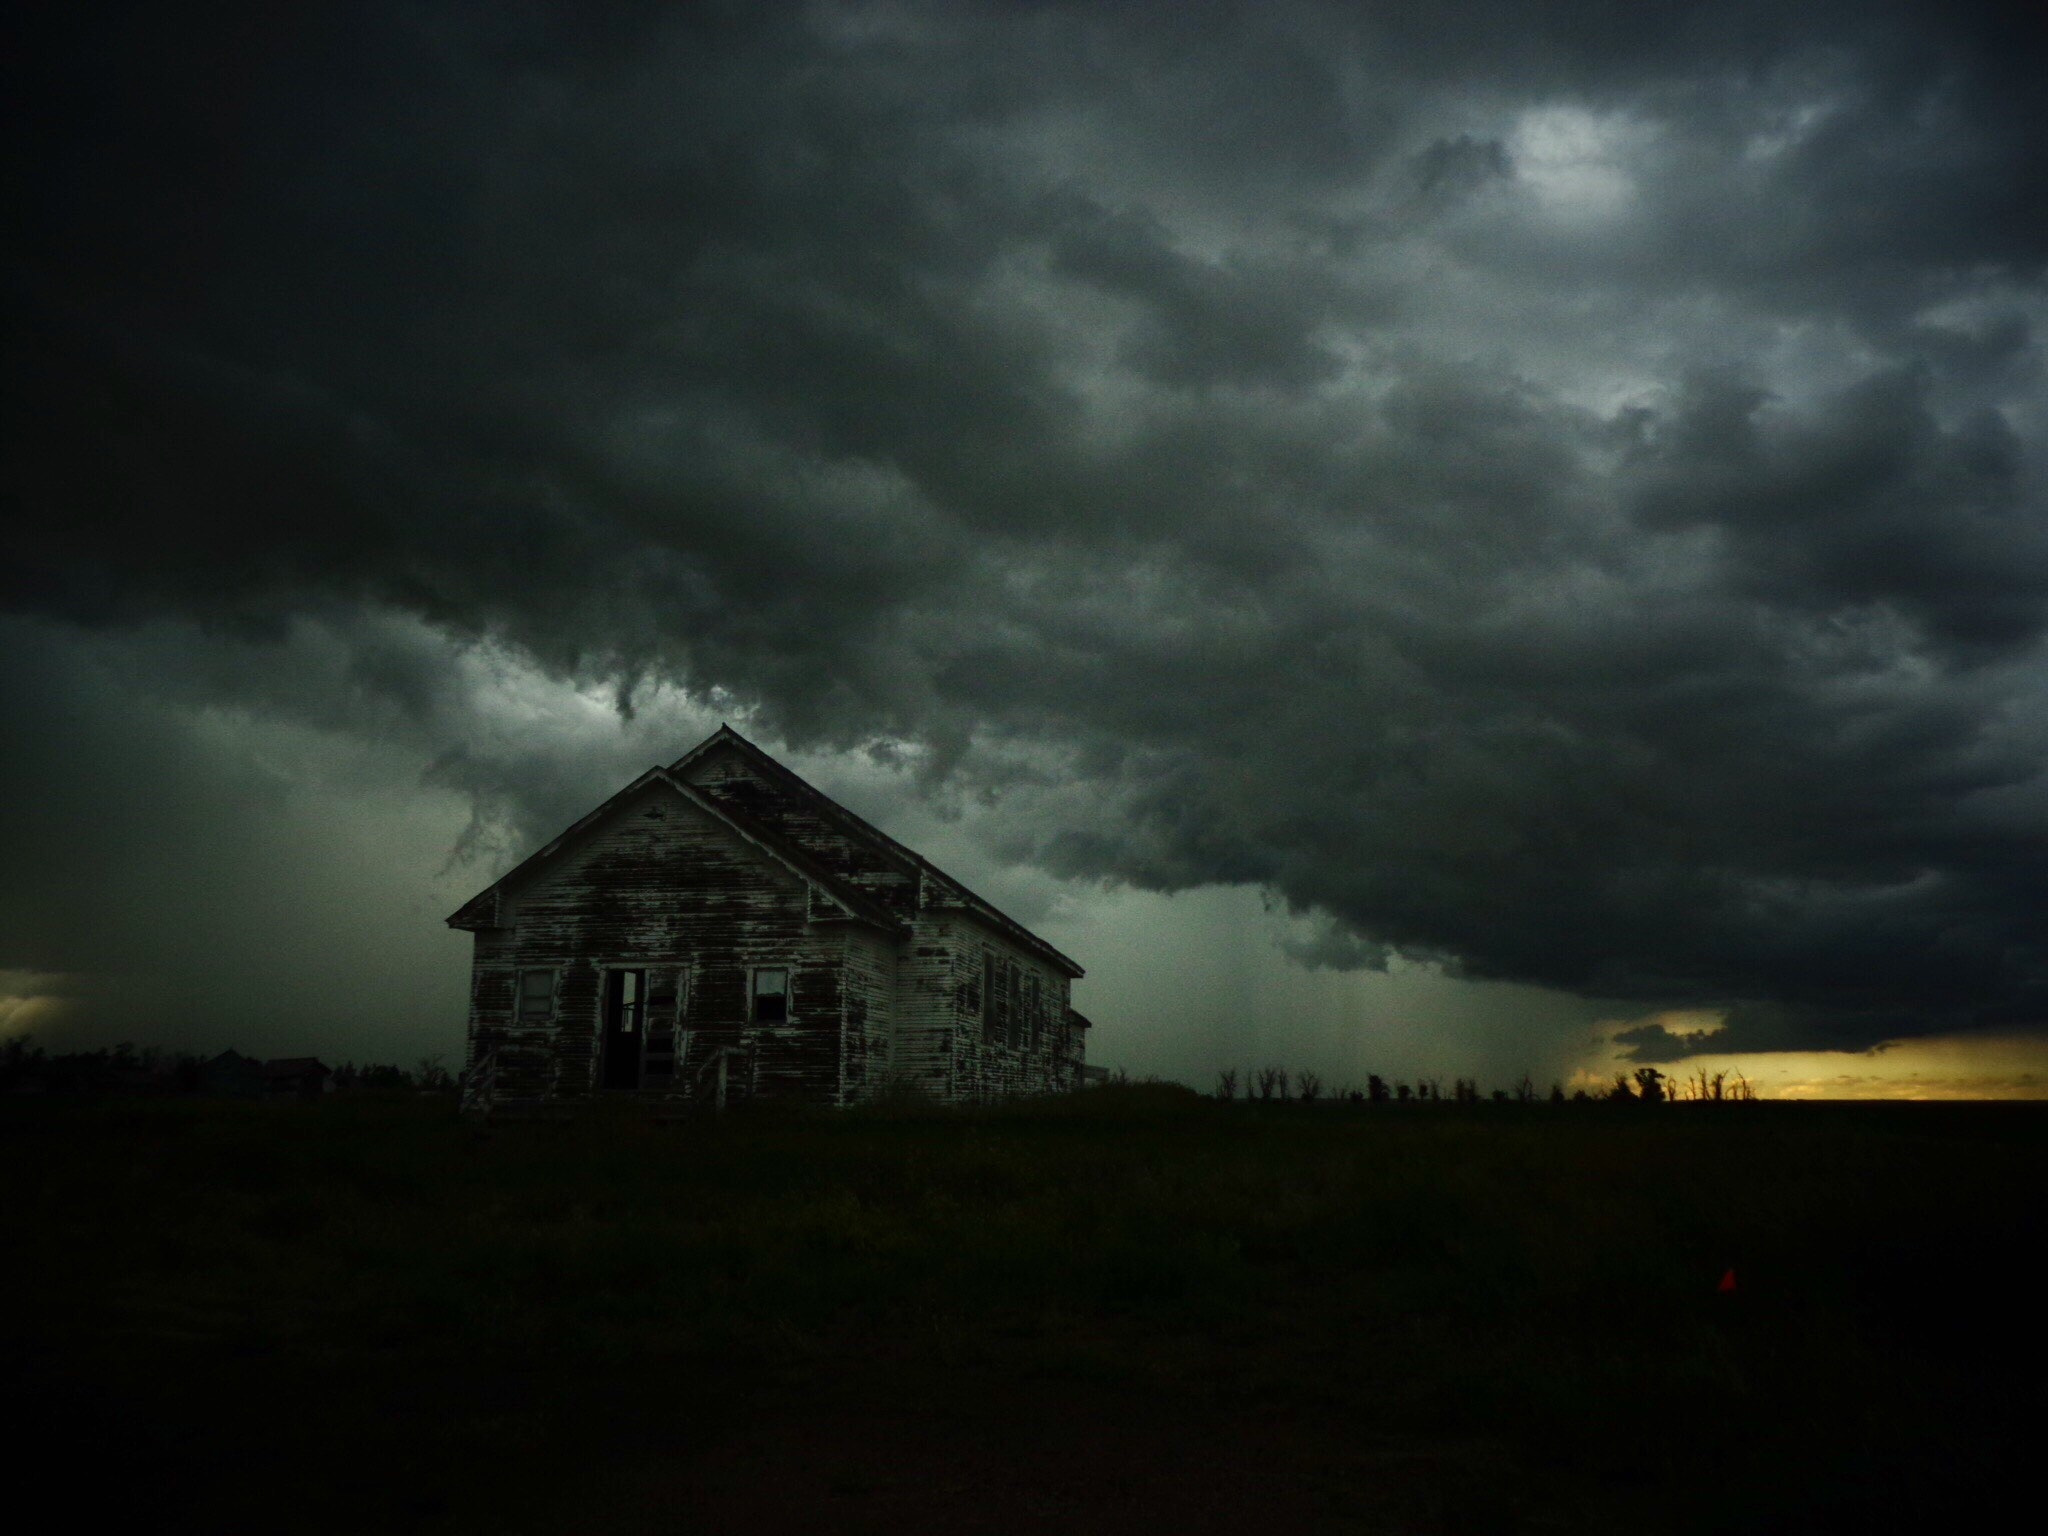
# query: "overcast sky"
{"type": "Point", "coordinates": [1463, 540]}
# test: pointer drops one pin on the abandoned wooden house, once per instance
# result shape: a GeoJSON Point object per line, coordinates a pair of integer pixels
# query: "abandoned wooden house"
{"type": "Point", "coordinates": [720, 927]}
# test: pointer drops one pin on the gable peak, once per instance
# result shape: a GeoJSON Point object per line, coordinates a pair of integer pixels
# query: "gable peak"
{"type": "Point", "coordinates": [724, 736]}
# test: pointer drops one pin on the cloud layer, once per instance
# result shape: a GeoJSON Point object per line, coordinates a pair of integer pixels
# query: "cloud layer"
{"type": "Point", "coordinates": [1558, 495]}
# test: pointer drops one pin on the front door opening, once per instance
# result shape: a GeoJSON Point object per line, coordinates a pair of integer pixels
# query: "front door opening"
{"type": "Point", "coordinates": [624, 1028]}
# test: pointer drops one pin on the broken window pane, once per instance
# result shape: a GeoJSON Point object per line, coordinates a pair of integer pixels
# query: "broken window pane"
{"type": "Point", "coordinates": [536, 996]}
{"type": "Point", "coordinates": [771, 996]}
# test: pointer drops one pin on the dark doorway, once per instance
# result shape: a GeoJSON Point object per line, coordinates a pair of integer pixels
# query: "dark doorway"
{"type": "Point", "coordinates": [623, 1028]}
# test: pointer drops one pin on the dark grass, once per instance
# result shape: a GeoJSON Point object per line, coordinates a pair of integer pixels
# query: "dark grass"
{"type": "Point", "coordinates": [365, 1314]}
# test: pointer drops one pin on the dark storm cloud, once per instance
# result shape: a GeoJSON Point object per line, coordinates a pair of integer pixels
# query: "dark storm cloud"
{"type": "Point", "coordinates": [1205, 323]}
{"type": "Point", "coordinates": [1452, 166]}
{"type": "Point", "coordinates": [1868, 500]}
{"type": "Point", "coordinates": [1556, 492]}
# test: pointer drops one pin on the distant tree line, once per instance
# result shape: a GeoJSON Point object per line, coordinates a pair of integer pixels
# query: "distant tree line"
{"type": "Point", "coordinates": [429, 1076]}
{"type": "Point", "coordinates": [25, 1067]}
{"type": "Point", "coordinates": [1647, 1085]}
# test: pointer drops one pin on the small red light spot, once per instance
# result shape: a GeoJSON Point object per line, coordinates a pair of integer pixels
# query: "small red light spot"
{"type": "Point", "coordinates": [1727, 1284]}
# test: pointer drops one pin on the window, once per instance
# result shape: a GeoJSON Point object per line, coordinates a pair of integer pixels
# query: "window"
{"type": "Point", "coordinates": [625, 1000]}
{"type": "Point", "coordinates": [1033, 1007]}
{"type": "Point", "coordinates": [536, 996]}
{"type": "Point", "coordinates": [619, 1051]}
{"type": "Point", "coordinates": [1000, 978]}
{"type": "Point", "coordinates": [771, 996]}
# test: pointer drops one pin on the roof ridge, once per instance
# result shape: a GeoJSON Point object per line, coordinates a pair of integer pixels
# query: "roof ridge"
{"type": "Point", "coordinates": [844, 892]}
{"type": "Point", "coordinates": [862, 825]}
{"type": "Point", "coordinates": [768, 760]}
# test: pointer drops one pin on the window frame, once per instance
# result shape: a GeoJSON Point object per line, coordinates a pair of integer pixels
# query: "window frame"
{"type": "Point", "coordinates": [1003, 1023]}
{"type": "Point", "coordinates": [521, 1013]}
{"type": "Point", "coordinates": [755, 996]}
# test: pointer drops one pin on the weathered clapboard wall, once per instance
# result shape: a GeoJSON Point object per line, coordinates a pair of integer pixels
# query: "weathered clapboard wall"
{"type": "Point", "coordinates": [950, 1040]}
{"type": "Point", "coordinates": [844, 846]}
{"type": "Point", "coordinates": [869, 969]}
{"type": "Point", "coordinates": [947, 1044]}
{"type": "Point", "coordinates": [699, 875]}
{"type": "Point", "coordinates": [663, 886]}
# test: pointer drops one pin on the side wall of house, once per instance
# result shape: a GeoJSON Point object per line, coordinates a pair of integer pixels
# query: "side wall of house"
{"type": "Point", "coordinates": [957, 1043]}
{"type": "Point", "coordinates": [1012, 1042]}
{"type": "Point", "coordinates": [931, 982]}
{"type": "Point", "coordinates": [867, 1042]}
{"type": "Point", "coordinates": [1073, 1048]}
{"type": "Point", "coordinates": [664, 887]}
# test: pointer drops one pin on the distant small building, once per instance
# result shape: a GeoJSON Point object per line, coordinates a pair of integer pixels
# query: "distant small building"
{"type": "Point", "coordinates": [294, 1077]}
{"type": "Point", "coordinates": [231, 1075]}
{"type": "Point", "coordinates": [719, 924]}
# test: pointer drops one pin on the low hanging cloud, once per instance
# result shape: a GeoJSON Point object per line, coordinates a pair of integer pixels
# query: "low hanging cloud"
{"type": "Point", "coordinates": [1556, 495]}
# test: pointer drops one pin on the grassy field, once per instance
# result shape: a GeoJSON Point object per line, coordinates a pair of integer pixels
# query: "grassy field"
{"type": "Point", "coordinates": [1132, 1311]}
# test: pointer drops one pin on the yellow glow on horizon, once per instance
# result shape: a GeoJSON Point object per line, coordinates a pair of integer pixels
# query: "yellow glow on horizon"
{"type": "Point", "coordinates": [25, 1007]}
{"type": "Point", "coordinates": [1952, 1067]}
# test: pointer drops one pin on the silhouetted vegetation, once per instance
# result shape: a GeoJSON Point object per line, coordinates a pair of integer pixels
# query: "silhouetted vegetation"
{"type": "Point", "coordinates": [1645, 1086]}
{"type": "Point", "coordinates": [429, 1075]}
{"type": "Point", "coordinates": [26, 1068]}
{"type": "Point", "coordinates": [1720, 1088]}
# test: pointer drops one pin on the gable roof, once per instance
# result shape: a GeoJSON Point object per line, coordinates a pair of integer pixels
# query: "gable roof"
{"type": "Point", "coordinates": [874, 839]}
{"type": "Point", "coordinates": [481, 910]}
